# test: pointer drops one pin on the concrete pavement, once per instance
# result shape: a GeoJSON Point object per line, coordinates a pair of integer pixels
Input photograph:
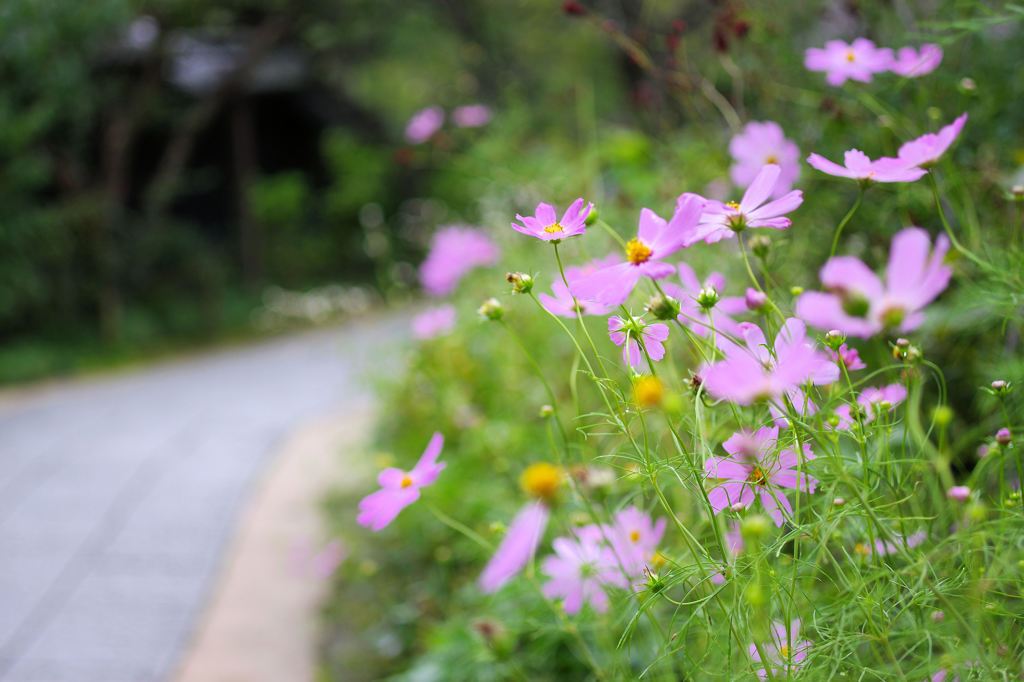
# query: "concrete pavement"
{"type": "Point", "coordinates": [118, 495]}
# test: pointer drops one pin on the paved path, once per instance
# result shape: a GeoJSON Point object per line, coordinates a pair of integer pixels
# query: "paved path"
{"type": "Point", "coordinates": [117, 496]}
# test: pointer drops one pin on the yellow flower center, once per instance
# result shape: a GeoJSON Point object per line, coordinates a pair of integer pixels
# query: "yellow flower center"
{"type": "Point", "coordinates": [553, 227]}
{"type": "Point", "coordinates": [734, 205]}
{"type": "Point", "coordinates": [637, 252]}
{"type": "Point", "coordinates": [784, 651]}
{"type": "Point", "coordinates": [861, 549]}
{"type": "Point", "coordinates": [634, 536]}
{"type": "Point", "coordinates": [771, 159]}
{"type": "Point", "coordinates": [658, 560]}
{"type": "Point", "coordinates": [541, 479]}
{"type": "Point", "coordinates": [849, 56]}
{"type": "Point", "coordinates": [406, 481]}
{"type": "Point", "coordinates": [756, 476]}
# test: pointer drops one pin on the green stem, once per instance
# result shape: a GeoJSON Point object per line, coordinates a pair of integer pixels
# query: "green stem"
{"type": "Point", "coordinates": [846, 219]}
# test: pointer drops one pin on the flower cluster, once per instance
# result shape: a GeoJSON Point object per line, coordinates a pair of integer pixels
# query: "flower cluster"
{"type": "Point", "coordinates": [862, 59]}
{"type": "Point", "coordinates": [426, 122]}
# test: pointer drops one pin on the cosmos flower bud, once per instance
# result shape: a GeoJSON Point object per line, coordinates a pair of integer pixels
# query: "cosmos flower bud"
{"type": "Point", "coordinates": [976, 512]}
{"type": "Point", "coordinates": [521, 282]}
{"type": "Point", "coordinates": [839, 502]}
{"type": "Point", "coordinates": [755, 527]}
{"type": "Point", "coordinates": [942, 415]}
{"type": "Point", "coordinates": [912, 356]}
{"type": "Point", "coordinates": [959, 493]}
{"type": "Point", "coordinates": [754, 595]}
{"type": "Point", "coordinates": [938, 616]}
{"type": "Point", "coordinates": [591, 217]}
{"type": "Point", "coordinates": [755, 300]}
{"type": "Point", "coordinates": [760, 245]}
{"type": "Point", "coordinates": [574, 9]}
{"type": "Point", "coordinates": [1017, 192]}
{"type": "Point", "coordinates": [1000, 387]}
{"type": "Point", "coordinates": [834, 339]}
{"type": "Point", "coordinates": [968, 84]}
{"type": "Point", "coordinates": [707, 298]}
{"type": "Point", "coordinates": [796, 291]}
{"type": "Point", "coordinates": [491, 309]}
{"type": "Point", "coordinates": [1003, 436]}
{"type": "Point", "coordinates": [546, 411]}
{"type": "Point", "coordinates": [663, 307]}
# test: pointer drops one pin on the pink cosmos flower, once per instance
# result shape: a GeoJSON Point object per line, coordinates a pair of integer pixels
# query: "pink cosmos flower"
{"type": "Point", "coordinates": [471, 116]}
{"type": "Point", "coordinates": [517, 547]}
{"type": "Point", "coordinates": [785, 650]}
{"type": "Point", "coordinates": [544, 224]}
{"type": "Point", "coordinates": [433, 322]}
{"type": "Point", "coordinates": [857, 302]}
{"type": "Point", "coordinates": [751, 371]}
{"type": "Point", "coordinates": [960, 493]}
{"type": "Point", "coordinates": [634, 538]}
{"type": "Point", "coordinates": [926, 150]}
{"type": "Point", "coordinates": [423, 124]}
{"type": "Point", "coordinates": [858, 61]}
{"type": "Point", "coordinates": [861, 168]}
{"type": "Point", "coordinates": [761, 143]}
{"type": "Point", "coordinates": [847, 356]}
{"type": "Point", "coordinates": [631, 334]}
{"type": "Point", "coordinates": [655, 241]}
{"type": "Point", "coordinates": [887, 547]}
{"type": "Point", "coordinates": [754, 470]}
{"type": "Point", "coordinates": [911, 63]}
{"type": "Point", "coordinates": [454, 251]}
{"type": "Point", "coordinates": [579, 571]}
{"type": "Point", "coordinates": [690, 312]}
{"type": "Point", "coordinates": [870, 400]}
{"type": "Point", "coordinates": [722, 221]}
{"type": "Point", "coordinates": [399, 489]}
{"type": "Point", "coordinates": [562, 303]}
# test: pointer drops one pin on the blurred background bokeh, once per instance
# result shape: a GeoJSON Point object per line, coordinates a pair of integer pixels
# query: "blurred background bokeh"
{"type": "Point", "coordinates": [184, 173]}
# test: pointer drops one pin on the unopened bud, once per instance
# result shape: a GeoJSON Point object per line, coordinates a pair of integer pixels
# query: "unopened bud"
{"type": "Point", "coordinates": [1003, 436]}
{"type": "Point", "coordinates": [491, 309]}
{"type": "Point", "coordinates": [982, 451]}
{"type": "Point", "coordinates": [663, 307]}
{"type": "Point", "coordinates": [912, 355]}
{"type": "Point", "coordinates": [960, 493]}
{"type": "Point", "coordinates": [833, 420]}
{"type": "Point", "coordinates": [976, 511]}
{"type": "Point", "coordinates": [707, 298]}
{"type": "Point", "coordinates": [1017, 192]}
{"type": "Point", "coordinates": [521, 282]}
{"type": "Point", "coordinates": [754, 527]}
{"type": "Point", "coordinates": [839, 502]}
{"type": "Point", "coordinates": [796, 291]}
{"type": "Point", "coordinates": [902, 343]}
{"type": "Point", "coordinates": [755, 300]}
{"type": "Point", "coordinates": [934, 113]}
{"type": "Point", "coordinates": [834, 339]}
{"type": "Point", "coordinates": [754, 595]}
{"type": "Point", "coordinates": [546, 411]}
{"type": "Point", "coordinates": [1000, 387]}
{"type": "Point", "coordinates": [968, 84]}
{"type": "Point", "coordinates": [591, 217]}
{"type": "Point", "coordinates": [942, 415]}
{"type": "Point", "coordinates": [938, 616]}
{"type": "Point", "coordinates": [761, 245]}
{"type": "Point", "coordinates": [574, 9]}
